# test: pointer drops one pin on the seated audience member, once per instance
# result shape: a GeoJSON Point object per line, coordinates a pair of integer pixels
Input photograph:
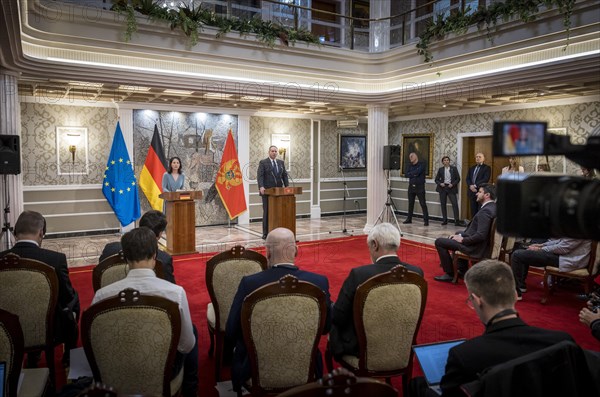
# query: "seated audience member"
{"type": "Point", "coordinates": [140, 250]}
{"type": "Point", "coordinates": [565, 253]}
{"type": "Point", "coordinates": [157, 222]}
{"type": "Point", "coordinates": [281, 251]}
{"type": "Point", "coordinates": [30, 230]}
{"type": "Point", "coordinates": [474, 240]}
{"type": "Point", "coordinates": [590, 315]}
{"type": "Point", "coordinates": [383, 243]}
{"type": "Point", "coordinates": [491, 288]}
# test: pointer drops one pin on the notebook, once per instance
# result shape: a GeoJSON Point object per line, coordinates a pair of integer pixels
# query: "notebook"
{"type": "Point", "coordinates": [432, 358]}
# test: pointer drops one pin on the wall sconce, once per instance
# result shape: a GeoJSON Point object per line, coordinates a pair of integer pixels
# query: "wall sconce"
{"type": "Point", "coordinates": [73, 140]}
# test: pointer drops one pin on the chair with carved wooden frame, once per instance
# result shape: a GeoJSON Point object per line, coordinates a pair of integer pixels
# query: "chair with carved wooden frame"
{"type": "Point", "coordinates": [282, 324]}
{"type": "Point", "coordinates": [223, 274]}
{"type": "Point", "coordinates": [131, 341]}
{"type": "Point", "coordinates": [35, 380]}
{"type": "Point", "coordinates": [585, 275]}
{"type": "Point", "coordinates": [341, 383]}
{"type": "Point", "coordinates": [388, 309]}
{"type": "Point", "coordinates": [115, 268]}
{"type": "Point", "coordinates": [30, 291]}
{"type": "Point", "coordinates": [471, 259]}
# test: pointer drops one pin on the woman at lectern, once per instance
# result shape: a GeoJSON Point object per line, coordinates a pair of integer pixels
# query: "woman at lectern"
{"type": "Point", "coordinates": [174, 178]}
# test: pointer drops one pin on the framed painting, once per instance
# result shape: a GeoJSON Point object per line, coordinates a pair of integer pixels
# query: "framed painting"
{"type": "Point", "coordinates": [422, 146]}
{"type": "Point", "coordinates": [353, 152]}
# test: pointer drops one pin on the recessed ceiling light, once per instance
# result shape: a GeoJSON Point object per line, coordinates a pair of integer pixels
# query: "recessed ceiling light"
{"type": "Point", "coordinates": [178, 92]}
{"type": "Point", "coordinates": [317, 103]}
{"type": "Point", "coordinates": [253, 98]}
{"type": "Point", "coordinates": [217, 95]}
{"type": "Point", "coordinates": [85, 84]}
{"type": "Point", "coordinates": [135, 88]}
{"type": "Point", "coordinates": [283, 100]}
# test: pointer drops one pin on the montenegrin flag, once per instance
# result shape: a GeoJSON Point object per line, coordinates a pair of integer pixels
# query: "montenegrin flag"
{"type": "Point", "coordinates": [119, 185]}
{"type": "Point", "coordinates": [229, 182]}
{"type": "Point", "coordinates": [153, 171]}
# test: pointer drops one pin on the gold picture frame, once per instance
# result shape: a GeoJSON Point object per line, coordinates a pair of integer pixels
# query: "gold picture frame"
{"type": "Point", "coordinates": [422, 145]}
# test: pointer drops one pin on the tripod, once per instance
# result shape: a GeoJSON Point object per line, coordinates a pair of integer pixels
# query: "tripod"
{"type": "Point", "coordinates": [346, 195]}
{"type": "Point", "coordinates": [389, 208]}
{"type": "Point", "coordinates": [6, 229]}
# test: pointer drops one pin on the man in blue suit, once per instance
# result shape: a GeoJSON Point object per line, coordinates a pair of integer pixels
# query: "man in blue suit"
{"type": "Point", "coordinates": [271, 173]}
{"type": "Point", "coordinates": [281, 253]}
{"type": "Point", "coordinates": [478, 174]}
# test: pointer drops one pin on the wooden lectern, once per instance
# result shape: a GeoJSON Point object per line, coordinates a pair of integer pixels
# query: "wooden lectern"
{"type": "Point", "coordinates": [282, 207]}
{"type": "Point", "coordinates": [181, 218]}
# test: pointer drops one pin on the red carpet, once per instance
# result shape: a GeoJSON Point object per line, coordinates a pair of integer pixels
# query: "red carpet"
{"type": "Point", "coordinates": [446, 314]}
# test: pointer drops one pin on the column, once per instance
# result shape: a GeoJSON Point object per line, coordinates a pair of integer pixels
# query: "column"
{"type": "Point", "coordinates": [379, 31]}
{"type": "Point", "coordinates": [377, 138]}
{"type": "Point", "coordinates": [243, 148]}
{"type": "Point", "coordinates": [10, 124]}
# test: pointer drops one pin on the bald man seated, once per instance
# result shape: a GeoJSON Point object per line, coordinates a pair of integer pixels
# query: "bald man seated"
{"type": "Point", "coordinates": [281, 252]}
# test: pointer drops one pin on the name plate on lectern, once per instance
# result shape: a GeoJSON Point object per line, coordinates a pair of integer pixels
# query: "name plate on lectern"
{"type": "Point", "coordinates": [283, 191]}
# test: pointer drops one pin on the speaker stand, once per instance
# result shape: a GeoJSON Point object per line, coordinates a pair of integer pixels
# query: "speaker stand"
{"type": "Point", "coordinates": [7, 230]}
{"type": "Point", "coordinates": [346, 194]}
{"type": "Point", "coordinates": [388, 212]}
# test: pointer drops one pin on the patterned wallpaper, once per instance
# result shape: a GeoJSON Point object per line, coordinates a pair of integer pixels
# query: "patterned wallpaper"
{"type": "Point", "coordinates": [261, 129]}
{"type": "Point", "coordinates": [38, 142]}
{"type": "Point", "coordinates": [579, 120]}
{"type": "Point", "coordinates": [198, 139]}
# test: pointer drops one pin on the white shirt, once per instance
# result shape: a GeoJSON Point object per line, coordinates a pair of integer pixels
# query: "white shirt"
{"type": "Point", "coordinates": [447, 178]}
{"type": "Point", "coordinates": [146, 282]}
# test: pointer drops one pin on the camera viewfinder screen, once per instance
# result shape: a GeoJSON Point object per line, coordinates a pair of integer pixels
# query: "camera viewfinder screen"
{"type": "Point", "coordinates": [523, 138]}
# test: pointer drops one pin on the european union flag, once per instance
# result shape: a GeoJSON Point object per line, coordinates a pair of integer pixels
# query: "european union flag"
{"type": "Point", "coordinates": [119, 186]}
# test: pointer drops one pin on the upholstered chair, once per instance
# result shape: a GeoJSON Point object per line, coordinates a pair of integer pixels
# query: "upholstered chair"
{"type": "Point", "coordinates": [388, 309]}
{"type": "Point", "coordinates": [494, 251]}
{"type": "Point", "coordinates": [35, 380]}
{"type": "Point", "coordinates": [29, 289]}
{"type": "Point", "coordinates": [223, 274]}
{"type": "Point", "coordinates": [115, 268]}
{"type": "Point", "coordinates": [131, 341]}
{"type": "Point", "coordinates": [282, 323]}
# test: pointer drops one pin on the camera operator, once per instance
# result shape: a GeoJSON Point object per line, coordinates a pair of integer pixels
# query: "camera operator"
{"type": "Point", "coordinates": [567, 254]}
{"type": "Point", "coordinates": [590, 315]}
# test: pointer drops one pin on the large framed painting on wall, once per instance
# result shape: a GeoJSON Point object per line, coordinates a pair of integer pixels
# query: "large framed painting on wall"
{"type": "Point", "coordinates": [422, 146]}
{"type": "Point", "coordinates": [353, 152]}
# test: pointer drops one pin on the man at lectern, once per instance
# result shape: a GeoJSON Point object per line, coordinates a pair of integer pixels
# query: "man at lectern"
{"type": "Point", "coordinates": [271, 173]}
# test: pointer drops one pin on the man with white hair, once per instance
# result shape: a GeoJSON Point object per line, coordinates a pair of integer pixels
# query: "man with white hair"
{"type": "Point", "coordinates": [383, 242]}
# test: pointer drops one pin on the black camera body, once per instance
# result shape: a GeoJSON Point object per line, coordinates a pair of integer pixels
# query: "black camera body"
{"type": "Point", "coordinates": [542, 206]}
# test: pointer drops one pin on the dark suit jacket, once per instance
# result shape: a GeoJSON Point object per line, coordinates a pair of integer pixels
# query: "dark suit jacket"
{"type": "Point", "coordinates": [454, 179]}
{"type": "Point", "coordinates": [267, 177]}
{"type": "Point", "coordinates": [166, 259]}
{"type": "Point", "coordinates": [483, 176]}
{"type": "Point", "coordinates": [240, 366]}
{"type": "Point", "coordinates": [343, 339]}
{"type": "Point", "coordinates": [501, 342]}
{"type": "Point", "coordinates": [68, 300]}
{"type": "Point", "coordinates": [476, 240]}
{"type": "Point", "coordinates": [416, 173]}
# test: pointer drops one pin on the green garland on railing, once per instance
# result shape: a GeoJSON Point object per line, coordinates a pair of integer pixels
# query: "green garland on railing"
{"type": "Point", "coordinates": [458, 21]}
{"type": "Point", "coordinates": [191, 21]}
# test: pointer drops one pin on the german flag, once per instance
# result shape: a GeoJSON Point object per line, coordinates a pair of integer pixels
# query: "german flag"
{"type": "Point", "coordinates": [154, 168]}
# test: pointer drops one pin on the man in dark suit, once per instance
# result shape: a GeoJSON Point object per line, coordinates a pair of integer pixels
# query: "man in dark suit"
{"type": "Point", "coordinates": [446, 181]}
{"type": "Point", "coordinates": [271, 173]}
{"type": "Point", "coordinates": [478, 174]}
{"type": "Point", "coordinates": [29, 232]}
{"type": "Point", "coordinates": [281, 251]}
{"type": "Point", "coordinates": [491, 288]}
{"type": "Point", "coordinates": [157, 222]}
{"type": "Point", "coordinates": [416, 188]}
{"type": "Point", "coordinates": [383, 242]}
{"type": "Point", "coordinates": [474, 240]}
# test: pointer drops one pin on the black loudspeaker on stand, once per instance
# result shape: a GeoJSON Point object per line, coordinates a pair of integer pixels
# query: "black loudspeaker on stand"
{"type": "Point", "coordinates": [10, 164]}
{"type": "Point", "coordinates": [391, 157]}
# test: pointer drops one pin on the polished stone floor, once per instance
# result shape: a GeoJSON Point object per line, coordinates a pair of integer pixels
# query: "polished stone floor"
{"type": "Point", "coordinates": [83, 251]}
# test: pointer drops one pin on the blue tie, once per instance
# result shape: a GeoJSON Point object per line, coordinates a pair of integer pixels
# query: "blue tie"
{"type": "Point", "coordinates": [275, 166]}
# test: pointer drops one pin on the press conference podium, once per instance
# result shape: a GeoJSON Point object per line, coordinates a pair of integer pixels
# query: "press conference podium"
{"type": "Point", "coordinates": [181, 218]}
{"type": "Point", "coordinates": [282, 207]}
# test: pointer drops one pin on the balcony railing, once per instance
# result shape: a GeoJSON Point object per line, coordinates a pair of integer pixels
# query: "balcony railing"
{"type": "Point", "coordinates": [337, 28]}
